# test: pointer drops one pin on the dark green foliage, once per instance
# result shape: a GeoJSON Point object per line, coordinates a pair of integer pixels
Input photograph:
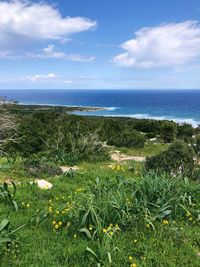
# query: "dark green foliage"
{"type": "Point", "coordinates": [178, 159]}
{"type": "Point", "coordinates": [196, 144]}
{"type": "Point", "coordinates": [37, 168]}
{"type": "Point", "coordinates": [168, 131]}
{"type": "Point", "coordinates": [185, 132]}
{"type": "Point", "coordinates": [127, 138]}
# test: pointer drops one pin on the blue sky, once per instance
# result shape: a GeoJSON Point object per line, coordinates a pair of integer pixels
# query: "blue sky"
{"type": "Point", "coordinates": [98, 44]}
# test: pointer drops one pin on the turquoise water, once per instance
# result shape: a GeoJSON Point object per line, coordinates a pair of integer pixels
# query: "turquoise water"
{"type": "Point", "coordinates": [178, 105]}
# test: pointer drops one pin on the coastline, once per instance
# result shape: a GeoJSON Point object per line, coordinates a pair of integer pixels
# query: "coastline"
{"type": "Point", "coordinates": [90, 111]}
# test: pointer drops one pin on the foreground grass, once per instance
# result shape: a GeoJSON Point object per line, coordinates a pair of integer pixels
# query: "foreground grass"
{"type": "Point", "coordinates": [107, 218]}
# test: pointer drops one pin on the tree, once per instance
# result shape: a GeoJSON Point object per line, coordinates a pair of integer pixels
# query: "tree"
{"type": "Point", "coordinates": [168, 131]}
{"type": "Point", "coordinates": [8, 124]}
{"type": "Point", "coordinates": [185, 132]}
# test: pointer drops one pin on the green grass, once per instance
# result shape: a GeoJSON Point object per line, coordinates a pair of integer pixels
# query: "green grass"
{"type": "Point", "coordinates": [138, 205]}
{"type": "Point", "coordinates": [150, 149]}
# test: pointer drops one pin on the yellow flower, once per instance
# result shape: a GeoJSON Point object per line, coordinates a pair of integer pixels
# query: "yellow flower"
{"type": "Point", "coordinates": [111, 233]}
{"type": "Point", "coordinates": [22, 203]}
{"type": "Point", "coordinates": [111, 225]}
{"type": "Point", "coordinates": [133, 265]}
{"type": "Point", "coordinates": [57, 212]}
{"type": "Point", "coordinates": [190, 219]}
{"type": "Point", "coordinates": [56, 198]}
{"type": "Point", "coordinates": [165, 222]}
{"type": "Point", "coordinates": [28, 205]}
{"type": "Point", "coordinates": [135, 240]}
{"type": "Point", "coordinates": [188, 214]}
{"type": "Point", "coordinates": [104, 230]}
{"type": "Point", "coordinates": [54, 222]}
{"type": "Point", "coordinates": [74, 236]}
{"type": "Point", "coordinates": [118, 168]}
{"type": "Point", "coordinates": [50, 209]}
{"type": "Point", "coordinates": [147, 225]}
{"type": "Point", "coordinates": [90, 228]}
{"type": "Point", "coordinates": [60, 223]}
{"type": "Point", "coordinates": [130, 258]}
{"type": "Point", "coordinates": [56, 226]}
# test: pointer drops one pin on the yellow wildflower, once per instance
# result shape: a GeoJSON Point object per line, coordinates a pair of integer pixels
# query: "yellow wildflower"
{"type": "Point", "coordinates": [28, 205]}
{"type": "Point", "coordinates": [74, 236]}
{"type": "Point", "coordinates": [147, 225]}
{"type": "Point", "coordinates": [165, 222]}
{"type": "Point", "coordinates": [56, 226]}
{"type": "Point", "coordinates": [104, 230]}
{"type": "Point", "coordinates": [54, 222]}
{"type": "Point", "coordinates": [130, 258]}
{"type": "Point", "coordinates": [60, 223]}
{"type": "Point", "coordinates": [135, 240]}
{"type": "Point", "coordinates": [57, 212]}
{"type": "Point", "coordinates": [50, 209]}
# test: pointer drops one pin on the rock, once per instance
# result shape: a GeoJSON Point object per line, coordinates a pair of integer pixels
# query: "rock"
{"type": "Point", "coordinates": [43, 184]}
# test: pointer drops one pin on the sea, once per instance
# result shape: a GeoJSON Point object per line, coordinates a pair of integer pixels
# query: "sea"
{"type": "Point", "coordinates": [182, 106]}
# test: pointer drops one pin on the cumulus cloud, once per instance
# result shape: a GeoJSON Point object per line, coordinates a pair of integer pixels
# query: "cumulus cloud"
{"type": "Point", "coordinates": [166, 45]}
{"type": "Point", "coordinates": [39, 21]}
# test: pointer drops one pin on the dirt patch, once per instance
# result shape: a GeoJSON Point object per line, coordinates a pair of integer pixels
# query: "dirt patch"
{"type": "Point", "coordinates": [69, 168]}
{"type": "Point", "coordinates": [123, 157]}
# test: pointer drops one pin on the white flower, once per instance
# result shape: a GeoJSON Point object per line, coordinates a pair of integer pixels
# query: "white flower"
{"type": "Point", "coordinates": [43, 184]}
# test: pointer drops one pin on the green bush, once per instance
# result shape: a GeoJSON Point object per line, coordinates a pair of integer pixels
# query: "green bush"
{"type": "Point", "coordinates": [127, 138]}
{"type": "Point", "coordinates": [168, 131]}
{"type": "Point", "coordinates": [178, 159]}
{"type": "Point", "coordinates": [37, 168]}
{"type": "Point", "coordinates": [185, 132]}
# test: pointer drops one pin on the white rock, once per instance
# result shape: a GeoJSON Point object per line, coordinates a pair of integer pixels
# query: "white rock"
{"type": "Point", "coordinates": [43, 184]}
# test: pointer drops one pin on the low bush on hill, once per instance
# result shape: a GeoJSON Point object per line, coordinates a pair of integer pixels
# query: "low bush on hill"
{"type": "Point", "coordinates": [37, 168]}
{"type": "Point", "coordinates": [179, 159]}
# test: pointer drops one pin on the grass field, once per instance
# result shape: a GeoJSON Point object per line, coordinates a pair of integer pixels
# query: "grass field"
{"type": "Point", "coordinates": [99, 216]}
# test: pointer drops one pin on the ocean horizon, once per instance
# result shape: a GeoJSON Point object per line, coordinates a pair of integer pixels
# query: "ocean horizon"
{"type": "Point", "coordinates": [182, 106]}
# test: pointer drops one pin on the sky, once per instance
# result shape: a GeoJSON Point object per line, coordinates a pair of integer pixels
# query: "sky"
{"type": "Point", "coordinates": [100, 44]}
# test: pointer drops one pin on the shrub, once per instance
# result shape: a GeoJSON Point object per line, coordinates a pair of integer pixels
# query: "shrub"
{"type": "Point", "coordinates": [185, 132]}
{"type": "Point", "coordinates": [127, 138]}
{"type": "Point", "coordinates": [178, 159]}
{"type": "Point", "coordinates": [38, 168]}
{"type": "Point", "coordinates": [168, 131]}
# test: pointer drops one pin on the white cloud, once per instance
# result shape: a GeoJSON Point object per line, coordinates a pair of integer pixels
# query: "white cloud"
{"type": "Point", "coordinates": [39, 77]}
{"type": "Point", "coordinates": [167, 45]}
{"type": "Point", "coordinates": [51, 52]}
{"type": "Point", "coordinates": [40, 21]}
{"type": "Point", "coordinates": [50, 78]}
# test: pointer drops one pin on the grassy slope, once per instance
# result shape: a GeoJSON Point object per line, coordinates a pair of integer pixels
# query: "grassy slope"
{"type": "Point", "coordinates": [149, 149]}
{"type": "Point", "coordinates": [170, 245]}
